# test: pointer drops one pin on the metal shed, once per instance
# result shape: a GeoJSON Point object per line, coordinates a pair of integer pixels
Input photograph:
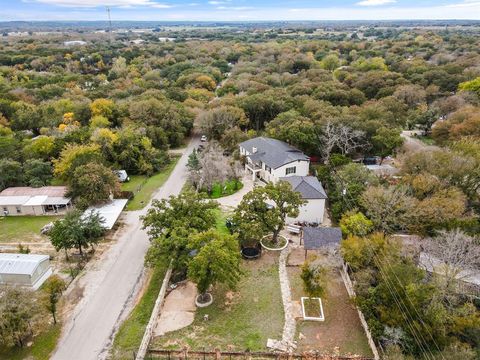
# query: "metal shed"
{"type": "Point", "coordinates": [28, 270]}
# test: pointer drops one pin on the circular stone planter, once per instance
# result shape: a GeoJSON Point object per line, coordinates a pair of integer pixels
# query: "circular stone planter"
{"type": "Point", "coordinates": [251, 253]}
{"type": "Point", "coordinates": [280, 239]}
{"type": "Point", "coordinates": [204, 304]}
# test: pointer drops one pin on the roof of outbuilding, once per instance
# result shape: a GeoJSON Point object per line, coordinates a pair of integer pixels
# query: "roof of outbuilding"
{"type": "Point", "coordinates": [109, 212]}
{"type": "Point", "coordinates": [22, 264]}
{"type": "Point", "coordinates": [272, 152]}
{"type": "Point", "coordinates": [315, 238]}
{"type": "Point", "coordinates": [308, 186]}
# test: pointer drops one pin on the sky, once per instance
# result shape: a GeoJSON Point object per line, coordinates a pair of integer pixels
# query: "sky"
{"type": "Point", "coordinates": [238, 10]}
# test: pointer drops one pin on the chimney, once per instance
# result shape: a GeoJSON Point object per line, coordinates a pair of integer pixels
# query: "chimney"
{"type": "Point", "coordinates": [254, 150]}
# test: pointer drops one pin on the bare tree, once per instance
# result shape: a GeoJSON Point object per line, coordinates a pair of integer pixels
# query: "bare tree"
{"type": "Point", "coordinates": [214, 168]}
{"type": "Point", "coordinates": [454, 255]}
{"type": "Point", "coordinates": [340, 136]}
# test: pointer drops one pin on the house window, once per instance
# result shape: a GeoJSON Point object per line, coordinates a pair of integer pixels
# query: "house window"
{"type": "Point", "coordinates": [291, 170]}
{"type": "Point", "coordinates": [268, 168]}
{"type": "Point", "coordinates": [19, 210]}
{"type": "Point", "coordinates": [5, 210]}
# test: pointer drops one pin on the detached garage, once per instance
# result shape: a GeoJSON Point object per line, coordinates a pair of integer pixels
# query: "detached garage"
{"type": "Point", "coordinates": [26, 270]}
{"type": "Point", "coordinates": [312, 191]}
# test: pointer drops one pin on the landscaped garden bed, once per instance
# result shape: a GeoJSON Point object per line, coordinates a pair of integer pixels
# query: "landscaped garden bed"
{"type": "Point", "coordinates": [312, 309]}
{"type": "Point", "coordinates": [229, 187]}
{"type": "Point", "coordinates": [268, 243]}
{"type": "Point", "coordinates": [237, 320]}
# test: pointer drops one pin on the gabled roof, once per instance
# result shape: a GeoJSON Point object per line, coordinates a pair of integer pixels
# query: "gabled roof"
{"type": "Point", "coordinates": [272, 152]}
{"type": "Point", "coordinates": [315, 238]}
{"type": "Point", "coordinates": [308, 186]}
{"type": "Point", "coordinates": [24, 264]}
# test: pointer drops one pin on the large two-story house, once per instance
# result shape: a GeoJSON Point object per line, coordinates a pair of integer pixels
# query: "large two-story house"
{"type": "Point", "coordinates": [273, 160]}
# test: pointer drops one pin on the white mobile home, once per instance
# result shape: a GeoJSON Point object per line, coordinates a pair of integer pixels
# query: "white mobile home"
{"type": "Point", "coordinates": [26, 270]}
{"type": "Point", "coordinates": [46, 200]}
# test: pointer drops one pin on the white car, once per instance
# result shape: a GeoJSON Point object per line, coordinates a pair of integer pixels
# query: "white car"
{"type": "Point", "coordinates": [203, 138]}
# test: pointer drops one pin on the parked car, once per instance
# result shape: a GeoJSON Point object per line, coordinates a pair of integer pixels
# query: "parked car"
{"type": "Point", "coordinates": [203, 138]}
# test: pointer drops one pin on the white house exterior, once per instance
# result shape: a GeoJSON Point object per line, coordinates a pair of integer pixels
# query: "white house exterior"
{"type": "Point", "coordinates": [27, 270]}
{"type": "Point", "coordinates": [271, 159]}
{"type": "Point", "coordinates": [312, 191]}
{"type": "Point", "coordinates": [47, 200]}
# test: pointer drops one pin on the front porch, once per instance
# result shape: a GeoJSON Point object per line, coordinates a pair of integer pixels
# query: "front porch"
{"type": "Point", "coordinates": [253, 169]}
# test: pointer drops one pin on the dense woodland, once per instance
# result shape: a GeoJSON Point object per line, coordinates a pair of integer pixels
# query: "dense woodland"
{"type": "Point", "coordinates": [69, 112]}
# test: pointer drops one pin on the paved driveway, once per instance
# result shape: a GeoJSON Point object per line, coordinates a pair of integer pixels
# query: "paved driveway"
{"type": "Point", "coordinates": [113, 282]}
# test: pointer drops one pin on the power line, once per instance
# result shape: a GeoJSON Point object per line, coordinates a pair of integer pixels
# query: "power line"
{"type": "Point", "coordinates": [409, 319]}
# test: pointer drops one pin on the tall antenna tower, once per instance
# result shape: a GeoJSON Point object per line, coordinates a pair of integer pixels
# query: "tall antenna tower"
{"type": "Point", "coordinates": [109, 21]}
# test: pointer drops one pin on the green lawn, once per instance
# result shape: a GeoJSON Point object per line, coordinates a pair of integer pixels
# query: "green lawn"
{"type": "Point", "coordinates": [130, 334]}
{"type": "Point", "coordinates": [41, 349]}
{"type": "Point", "coordinates": [23, 228]}
{"type": "Point", "coordinates": [238, 320]}
{"type": "Point", "coordinates": [427, 140]}
{"type": "Point", "coordinates": [226, 189]}
{"type": "Point", "coordinates": [144, 187]}
{"type": "Point", "coordinates": [135, 184]}
{"type": "Point", "coordinates": [220, 224]}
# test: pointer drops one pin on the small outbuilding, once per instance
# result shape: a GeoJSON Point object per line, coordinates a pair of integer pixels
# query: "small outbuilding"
{"type": "Point", "coordinates": [109, 212]}
{"type": "Point", "coordinates": [320, 238]}
{"type": "Point", "coordinates": [27, 270]}
{"type": "Point", "coordinates": [313, 193]}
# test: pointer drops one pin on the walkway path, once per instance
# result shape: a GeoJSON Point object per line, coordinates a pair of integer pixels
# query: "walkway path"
{"type": "Point", "coordinates": [230, 202]}
{"type": "Point", "coordinates": [289, 327]}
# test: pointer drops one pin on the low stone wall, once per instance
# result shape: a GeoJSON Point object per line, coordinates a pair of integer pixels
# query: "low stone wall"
{"type": "Point", "coordinates": [147, 336]}
{"type": "Point", "coordinates": [351, 292]}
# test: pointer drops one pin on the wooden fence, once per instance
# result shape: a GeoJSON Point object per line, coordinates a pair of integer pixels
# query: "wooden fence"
{"type": "Point", "coordinates": [351, 292]}
{"type": "Point", "coordinates": [184, 354]}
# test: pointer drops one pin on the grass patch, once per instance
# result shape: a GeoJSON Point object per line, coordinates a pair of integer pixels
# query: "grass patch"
{"type": "Point", "coordinates": [228, 188]}
{"type": "Point", "coordinates": [220, 225]}
{"type": "Point", "coordinates": [144, 187]}
{"type": "Point", "coordinates": [130, 333]}
{"type": "Point", "coordinates": [238, 320]}
{"type": "Point", "coordinates": [42, 347]}
{"type": "Point", "coordinates": [23, 228]}
{"type": "Point", "coordinates": [135, 184]}
{"type": "Point", "coordinates": [426, 140]}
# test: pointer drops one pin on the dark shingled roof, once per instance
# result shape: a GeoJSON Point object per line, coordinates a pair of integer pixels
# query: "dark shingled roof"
{"type": "Point", "coordinates": [315, 238]}
{"type": "Point", "coordinates": [308, 186]}
{"type": "Point", "coordinates": [272, 152]}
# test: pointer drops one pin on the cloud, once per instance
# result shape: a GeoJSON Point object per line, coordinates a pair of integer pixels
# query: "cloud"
{"type": "Point", "coordinates": [235, 8]}
{"type": "Point", "coordinates": [98, 3]}
{"type": "Point", "coordinates": [375, 2]}
{"type": "Point", "coordinates": [466, 3]}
